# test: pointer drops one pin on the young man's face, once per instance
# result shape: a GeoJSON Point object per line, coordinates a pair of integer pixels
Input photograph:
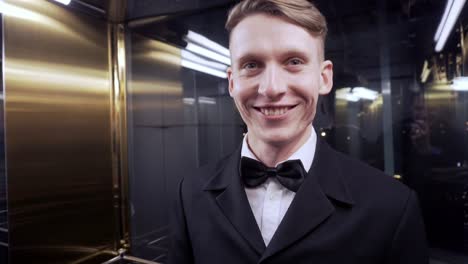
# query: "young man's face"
{"type": "Point", "coordinates": [276, 77]}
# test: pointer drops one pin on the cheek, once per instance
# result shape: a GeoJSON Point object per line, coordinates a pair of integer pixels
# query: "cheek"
{"type": "Point", "coordinates": [307, 88]}
{"type": "Point", "coordinates": [241, 102]}
{"type": "Point", "coordinates": [243, 93]}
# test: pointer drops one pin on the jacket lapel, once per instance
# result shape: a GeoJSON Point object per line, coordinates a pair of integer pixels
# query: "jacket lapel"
{"type": "Point", "coordinates": [311, 205]}
{"type": "Point", "coordinates": [232, 199]}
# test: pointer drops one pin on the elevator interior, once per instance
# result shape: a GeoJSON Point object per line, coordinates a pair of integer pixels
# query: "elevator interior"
{"type": "Point", "coordinates": [105, 107]}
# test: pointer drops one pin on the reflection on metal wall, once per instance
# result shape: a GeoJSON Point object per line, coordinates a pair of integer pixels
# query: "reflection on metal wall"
{"type": "Point", "coordinates": [155, 121]}
{"type": "Point", "coordinates": [358, 130]}
{"type": "Point", "coordinates": [3, 190]}
{"type": "Point", "coordinates": [57, 88]}
{"type": "Point", "coordinates": [179, 119]}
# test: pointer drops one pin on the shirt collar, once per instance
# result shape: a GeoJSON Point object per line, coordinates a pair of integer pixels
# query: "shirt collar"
{"type": "Point", "coordinates": [305, 153]}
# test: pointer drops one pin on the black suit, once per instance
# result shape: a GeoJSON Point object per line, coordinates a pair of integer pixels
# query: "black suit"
{"type": "Point", "coordinates": [345, 212]}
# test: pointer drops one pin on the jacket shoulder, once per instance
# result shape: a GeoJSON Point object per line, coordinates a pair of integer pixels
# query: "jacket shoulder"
{"type": "Point", "coordinates": [369, 185]}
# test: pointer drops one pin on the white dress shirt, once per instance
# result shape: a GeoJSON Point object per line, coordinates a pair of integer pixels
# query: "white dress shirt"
{"type": "Point", "coordinates": [270, 200]}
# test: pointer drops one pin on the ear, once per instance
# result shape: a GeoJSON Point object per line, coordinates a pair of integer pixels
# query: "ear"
{"type": "Point", "coordinates": [326, 77]}
{"type": "Point", "coordinates": [230, 80]}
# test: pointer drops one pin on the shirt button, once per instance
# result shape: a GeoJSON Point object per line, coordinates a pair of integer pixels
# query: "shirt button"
{"type": "Point", "coordinates": [272, 197]}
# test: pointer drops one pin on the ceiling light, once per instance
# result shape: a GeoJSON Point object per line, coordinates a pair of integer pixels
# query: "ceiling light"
{"type": "Point", "coordinates": [208, 53]}
{"type": "Point", "coordinates": [365, 93]}
{"type": "Point", "coordinates": [447, 23]}
{"type": "Point", "coordinates": [206, 100]}
{"type": "Point", "coordinates": [348, 97]}
{"type": "Point", "coordinates": [460, 84]}
{"type": "Point", "coordinates": [448, 6]}
{"type": "Point", "coordinates": [343, 90]}
{"type": "Point", "coordinates": [207, 43]}
{"type": "Point", "coordinates": [357, 93]}
{"type": "Point", "coordinates": [187, 55]}
{"type": "Point", "coordinates": [65, 2]}
{"type": "Point", "coordinates": [202, 68]}
{"type": "Point", "coordinates": [188, 100]}
{"type": "Point", "coordinates": [346, 94]}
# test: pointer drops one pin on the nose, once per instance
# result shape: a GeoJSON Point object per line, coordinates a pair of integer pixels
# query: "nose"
{"type": "Point", "coordinates": [272, 84]}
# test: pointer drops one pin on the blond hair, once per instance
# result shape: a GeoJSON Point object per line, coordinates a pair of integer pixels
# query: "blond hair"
{"type": "Point", "coordinates": [300, 12]}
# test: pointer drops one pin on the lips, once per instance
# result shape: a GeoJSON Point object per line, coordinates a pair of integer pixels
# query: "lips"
{"type": "Point", "coordinates": [274, 110]}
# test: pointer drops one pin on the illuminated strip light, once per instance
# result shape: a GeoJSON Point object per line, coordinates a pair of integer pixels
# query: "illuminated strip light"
{"type": "Point", "coordinates": [65, 2]}
{"type": "Point", "coordinates": [444, 19]}
{"type": "Point", "coordinates": [365, 93]}
{"type": "Point", "coordinates": [188, 100]}
{"type": "Point", "coordinates": [347, 96]}
{"type": "Point", "coordinates": [460, 84]}
{"type": "Point", "coordinates": [425, 72]}
{"type": "Point", "coordinates": [208, 53]}
{"type": "Point", "coordinates": [202, 68]}
{"type": "Point", "coordinates": [355, 94]}
{"type": "Point", "coordinates": [201, 100]}
{"type": "Point", "coordinates": [187, 55]}
{"type": "Point", "coordinates": [449, 23]}
{"type": "Point", "coordinates": [206, 100]}
{"type": "Point", "coordinates": [205, 42]}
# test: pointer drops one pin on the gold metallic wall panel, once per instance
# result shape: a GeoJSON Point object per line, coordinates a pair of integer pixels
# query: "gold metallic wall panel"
{"type": "Point", "coordinates": [58, 134]}
{"type": "Point", "coordinates": [119, 131]}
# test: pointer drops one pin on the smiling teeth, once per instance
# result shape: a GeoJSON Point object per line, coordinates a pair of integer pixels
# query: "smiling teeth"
{"type": "Point", "coordinates": [274, 111]}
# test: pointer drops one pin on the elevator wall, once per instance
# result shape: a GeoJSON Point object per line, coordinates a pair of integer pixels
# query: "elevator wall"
{"type": "Point", "coordinates": [178, 120]}
{"type": "Point", "coordinates": [58, 134]}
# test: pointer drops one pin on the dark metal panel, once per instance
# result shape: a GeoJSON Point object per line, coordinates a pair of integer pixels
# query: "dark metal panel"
{"type": "Point", "coordinates": [58, 134]}
{"type": "Point", "coordinates": [156, 116]}
{"type": "Point", "coordinates": [154, 83]}
{"type": "Point", "coordinates": [3, 188]}
{"type": "Point", "coordinates": [117, 11]}
{"type": "Point", "coordinates": [138, 9]}
{"type": "Point", "coordinates": [179, 119]}
{"type": "Point", "coordinates": [386, 84]}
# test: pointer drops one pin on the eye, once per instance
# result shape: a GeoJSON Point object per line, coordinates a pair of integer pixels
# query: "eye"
{"type": "Point", "coordinates": [250, 66]}
{"type": "Point", "coordinates": [295, 61]}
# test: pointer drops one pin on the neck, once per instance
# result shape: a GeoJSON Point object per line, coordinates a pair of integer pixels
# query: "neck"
{"type": "Point", "coordinates": [271, 154]}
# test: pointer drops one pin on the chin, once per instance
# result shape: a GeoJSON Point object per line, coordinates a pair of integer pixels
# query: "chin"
{"type": "Point", "coordinates": [278, 138]}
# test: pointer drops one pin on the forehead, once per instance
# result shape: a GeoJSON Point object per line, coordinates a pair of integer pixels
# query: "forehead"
{"type": "Point", "coordinates": [263, 35]}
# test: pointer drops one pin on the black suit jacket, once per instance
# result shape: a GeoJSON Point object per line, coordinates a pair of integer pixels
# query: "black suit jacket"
{"type": "Point", "coordinates": [345, 212]}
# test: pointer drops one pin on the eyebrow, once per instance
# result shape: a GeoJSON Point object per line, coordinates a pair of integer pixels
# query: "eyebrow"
{"type": "Point", "coordinates": [285, 55]}
{"type": "Point", "coordinates": [296, 53]}
{"type": "Point", "coordinates": [249, 56]}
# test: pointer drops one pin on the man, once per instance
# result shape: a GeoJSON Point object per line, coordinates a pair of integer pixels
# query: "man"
{"type": "Point", "coordinates": [284, 196]}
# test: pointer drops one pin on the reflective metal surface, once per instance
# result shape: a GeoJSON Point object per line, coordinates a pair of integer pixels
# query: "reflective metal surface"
{"type": "Point", "coordinates": [122, 258]}
{"type": "Point", "coordinates": [386, 89]}
{"type": "Point", "coordinates": [71, 194]}
{"type": "Point", "coordinates": [58, 134]}
{"type": "Point", "coordinates": [116, 11]}
{"type": "Point", "coordinates": [119, 131]}
{"type": "Point", "coordinates": [154, 101]}
{"type": "Point", "coordinates": [179, 119]}
{"type": "Point", "coordinates": [140, 9]}
{"type": "Point", "coordinates": [3, 180]}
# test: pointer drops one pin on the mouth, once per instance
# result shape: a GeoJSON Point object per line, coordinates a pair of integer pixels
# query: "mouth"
{"type": "Point", "coordinates": [274, 110]}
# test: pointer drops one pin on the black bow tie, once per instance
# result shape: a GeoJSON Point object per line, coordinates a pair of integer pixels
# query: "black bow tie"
{"type": "Point", "coordinates": [290, 173]}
